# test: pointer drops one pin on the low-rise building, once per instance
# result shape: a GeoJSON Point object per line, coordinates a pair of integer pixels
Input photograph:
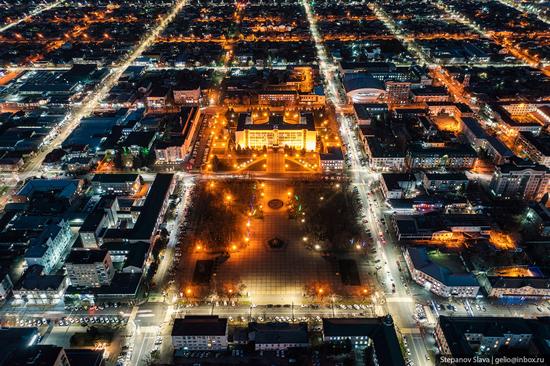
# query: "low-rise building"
{"type": "Point", "coordinates": [437, 227]}
{"type": "Point", "coordinates": [450, 157]}
{"type": "Point", "coordinates": [433, 271]}
{"type": "Point", "coordinates": [333, 160]}
{"type": "Point", "coordinates": [48, 249]}
{"type": "Point", "coordinates": [430, 94]}
{"type": "Point", "coordinates": [39, 355]}
{"type": "Point", "coordinates": [520, 179]}
{"type": "Point", "coordinates": [89, 267]}
{"type": "Point", "coordinates": [376, 335]}
{"type": "Point", "coordinates": [383, 157]}
{"type": "Point", "coordinates": [118, 184]}
{"type": "Point", "coordinates": [398, 185]}
{"type": "Point", "coordinates": [537, 147]}
{"type": "Point", "coordinates": [365, 113]}
{"type": "Point", "coordinates": [519, 287]}
{"type": "Point", "coordinates": [36, 288]}
{"type": "Point", "coordinates": [273, 336]}
{"type": "Point", "coordinates": [200, 333]}
{"type": "Point", "coordinates": [444, 182]}
{"type": "Point", "coordinates": [175, 148]}
{"type": "Point", "coordinates": [466, 337]}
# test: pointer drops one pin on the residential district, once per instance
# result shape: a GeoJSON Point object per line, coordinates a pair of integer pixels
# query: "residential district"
{"type": "Point", "coordinates": [274, 182]}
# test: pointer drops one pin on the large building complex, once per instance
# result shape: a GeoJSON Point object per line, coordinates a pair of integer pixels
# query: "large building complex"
{"type": "Point", "coordinates": [276, 131]}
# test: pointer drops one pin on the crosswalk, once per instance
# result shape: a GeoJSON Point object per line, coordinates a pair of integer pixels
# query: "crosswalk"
{"type": "Point", "coordinates": [400, 299]}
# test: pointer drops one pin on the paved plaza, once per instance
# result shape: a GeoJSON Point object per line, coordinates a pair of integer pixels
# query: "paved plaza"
{"type": "Point", "coordinates": [276, 276]}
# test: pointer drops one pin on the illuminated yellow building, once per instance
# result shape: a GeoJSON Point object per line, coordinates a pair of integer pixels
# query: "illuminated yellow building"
{"type": "Point", "coordinates": [275, 131]}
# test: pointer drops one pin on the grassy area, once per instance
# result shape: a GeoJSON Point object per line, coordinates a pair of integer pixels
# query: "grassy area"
{"type": "Point", "coordinates": [220, 209]}
{"type": "Point", "coordinates": [330, 212]}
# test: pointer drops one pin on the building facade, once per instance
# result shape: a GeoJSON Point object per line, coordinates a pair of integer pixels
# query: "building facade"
{"type": "Point", "coordinates": [200, 333]}
{"type": "Point", "coordinates": [89, 267]}
{"type": "Point", "coordinates": [520, 180]}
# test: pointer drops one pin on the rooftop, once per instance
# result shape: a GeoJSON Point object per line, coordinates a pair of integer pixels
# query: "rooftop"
{"type": "Point", "coordinates": [446, 268]}
{"type": "Point", "coordinates": [86, 256]}
{"type": "Point", "coordinates": [380, 330]}
{"type": "Point", "coordinates": [200, 325]}
{"type": "Point", "coordinates": [274, 333]}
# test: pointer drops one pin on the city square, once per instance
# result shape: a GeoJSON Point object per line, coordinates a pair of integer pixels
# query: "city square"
{"type": "Point", "coordinates": [274, 182]}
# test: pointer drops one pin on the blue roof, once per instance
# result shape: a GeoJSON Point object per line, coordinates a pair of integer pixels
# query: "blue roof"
{"type": "Point", "coordinates": [423, 263]}
{"type": "Point", "coordinates": [358, 81]}
{"type": "Point", "coordinates": [66, 188]}
{"type": "Point", "coordinates": [474, 126]}
{"type": "Point", "coordinates": [499, 146]}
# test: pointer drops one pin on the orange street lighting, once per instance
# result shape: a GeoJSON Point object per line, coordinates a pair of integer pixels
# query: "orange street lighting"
{"type": "Point", "coordinates": [234, 247]}
{"type": "Point", "coordinates": [188, 291]}
{"type": "Point", "coordinates": [320, 291]}
{"type": "Point", "coordinates": [198, 247]}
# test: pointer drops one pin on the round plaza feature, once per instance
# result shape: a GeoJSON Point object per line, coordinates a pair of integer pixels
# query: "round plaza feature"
{"type": "Point", "coordinates": [275, 204]}
{"type": "Point", "coordinates": [276, 243]}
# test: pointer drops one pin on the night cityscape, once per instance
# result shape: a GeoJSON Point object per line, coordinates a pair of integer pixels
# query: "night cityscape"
{"type": "Point", "coordinates": [274, 182]}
